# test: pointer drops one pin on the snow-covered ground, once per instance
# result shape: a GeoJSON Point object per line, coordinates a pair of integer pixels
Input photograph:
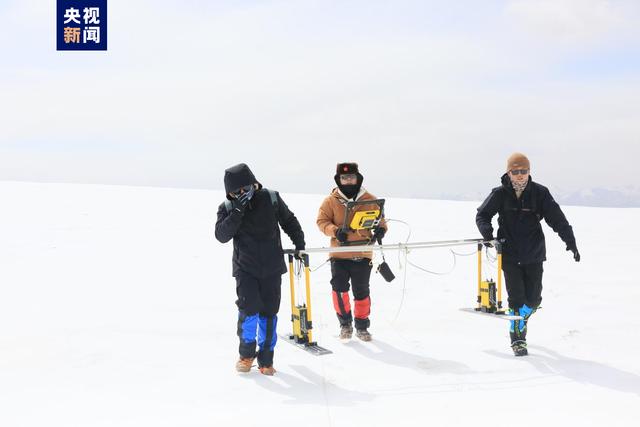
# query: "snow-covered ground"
{"type": "Point", "coordinates": [117, 309]}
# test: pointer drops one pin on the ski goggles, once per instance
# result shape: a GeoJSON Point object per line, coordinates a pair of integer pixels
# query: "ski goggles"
{"type": "Point", "coordinates": [519, 171]}
{"type": "Point", "coordinates": [241, 190]}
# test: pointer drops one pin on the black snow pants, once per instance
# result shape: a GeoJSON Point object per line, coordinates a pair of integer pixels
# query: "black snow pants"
{"type": "Point", "coordinates": [524, 284]}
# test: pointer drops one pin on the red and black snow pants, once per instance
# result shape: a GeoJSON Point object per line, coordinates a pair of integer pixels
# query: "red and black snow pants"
{"type": "Point", "coordinates": [358, 271]}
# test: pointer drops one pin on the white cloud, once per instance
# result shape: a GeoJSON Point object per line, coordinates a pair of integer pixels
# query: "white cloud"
{"type": "Point", "coordinates": [566, 21]}
{"type": "Point", "coordinates": [297, 86]}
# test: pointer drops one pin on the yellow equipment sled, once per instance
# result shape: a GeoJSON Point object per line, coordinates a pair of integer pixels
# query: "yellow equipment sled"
{"type": "Point", "coordinates": [301, 313]}
{"type": "Point", "coordinates": [490, 291]}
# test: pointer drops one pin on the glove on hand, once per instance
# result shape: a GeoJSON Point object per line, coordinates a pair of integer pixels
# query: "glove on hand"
{"type": "Point", "coordinates": [341, 235]}
{"type": "Point", "coordinates": [574, 249]}
{"type": "Point", "coordinates": [488, 244]}
{"type": "Point", "coordinates": [240, 204]}
{"type": "Point", "coordinates": [378, 234]}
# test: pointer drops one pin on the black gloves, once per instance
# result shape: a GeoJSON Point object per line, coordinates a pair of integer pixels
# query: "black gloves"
{"type": "Point", "coordinates": [240, 204]}
{"type": "Point", "coordinates": [378, 234]}
{"type": "Point", "coordinates": [488, 244]}
{"type": "Point", "coordinates": [299, 247]}
{"type": "Point", "coordinates": [341, 235]}
{"type": "Point", "coordinates": [573, 248]}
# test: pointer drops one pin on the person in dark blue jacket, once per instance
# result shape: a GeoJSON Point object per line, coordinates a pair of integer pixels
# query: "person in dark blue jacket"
{"type": "Point", "coordinates": [250, 216]}
{"type": "Point", "coordinates": [521, 204]}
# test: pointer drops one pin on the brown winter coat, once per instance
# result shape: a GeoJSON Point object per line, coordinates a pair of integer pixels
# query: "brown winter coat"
{"type": "Point", "coordinates": [331, 217]}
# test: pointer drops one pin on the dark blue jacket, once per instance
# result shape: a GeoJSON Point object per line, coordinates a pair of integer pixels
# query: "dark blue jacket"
{"type": "Point", "coordinates": [519, 221]}
{"type": "Point", "coordinates": [257, 249]}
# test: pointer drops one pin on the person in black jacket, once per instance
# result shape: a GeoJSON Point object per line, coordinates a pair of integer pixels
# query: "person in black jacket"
{"type": "Point", "coordinates": [521, 204]}
{"type": "Point", "coordinates": [250, 217]}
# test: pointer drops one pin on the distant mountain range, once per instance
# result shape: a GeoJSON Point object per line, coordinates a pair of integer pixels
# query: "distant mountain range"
{"type": "Point", "coordinates": [623, 197]}
{"type": "Point", "coordinates": [626, 197]}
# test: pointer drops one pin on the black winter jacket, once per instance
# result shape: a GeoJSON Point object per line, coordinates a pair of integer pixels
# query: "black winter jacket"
{"type": "Point", "coordinates": [519, 221]}
{"type": "Point", "coordinates": [257, 249]}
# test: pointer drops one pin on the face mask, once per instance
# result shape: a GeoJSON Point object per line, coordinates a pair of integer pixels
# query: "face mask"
{"type": "Point", "coordinates": [519, 186]}
{"type": "Point", "coordinates": [350, 190]}
{"type": "Point", "coordinates": [251, 192]}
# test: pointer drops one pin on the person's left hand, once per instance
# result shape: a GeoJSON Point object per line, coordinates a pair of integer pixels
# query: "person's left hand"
{"type": "Point", "coordinates": [574, 249]}
{"type": "Point", "coordinates": [378, 234]}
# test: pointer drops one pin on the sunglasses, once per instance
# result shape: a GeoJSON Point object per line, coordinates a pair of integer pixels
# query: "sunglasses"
{"type": "Point", "coordinates": [348, 177]}
{"type": "Point", "coordinates": [239, 191]}
{"type": "Point", "coordinates": [519, 171]}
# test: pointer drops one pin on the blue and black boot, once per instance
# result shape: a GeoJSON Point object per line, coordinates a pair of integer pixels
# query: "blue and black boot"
{"type": "Point", "coordinates": [518, 330]}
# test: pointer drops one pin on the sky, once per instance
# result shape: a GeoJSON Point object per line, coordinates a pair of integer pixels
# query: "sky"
{"type": "Point", "coordinates": [430, 98]}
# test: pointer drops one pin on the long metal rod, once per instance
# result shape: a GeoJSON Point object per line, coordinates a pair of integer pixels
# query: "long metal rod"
{"type": "Point", "coordinates": [396, 246]}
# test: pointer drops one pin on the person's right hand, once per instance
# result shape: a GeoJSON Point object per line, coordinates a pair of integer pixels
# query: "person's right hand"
{"type": "Point", "coordinates": [488, 244]}
{"type": "Point", "coordinates": [341, 235]}
{"type": "Point", "coordinates": [240, 204]}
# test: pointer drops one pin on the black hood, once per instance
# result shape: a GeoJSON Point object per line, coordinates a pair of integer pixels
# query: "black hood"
{"type": "Point", "coordinates": [238, 176]}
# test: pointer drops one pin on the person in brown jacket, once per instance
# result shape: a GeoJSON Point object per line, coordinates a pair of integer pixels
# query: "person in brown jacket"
{"type": "Point", "coordinates": [345, 266]}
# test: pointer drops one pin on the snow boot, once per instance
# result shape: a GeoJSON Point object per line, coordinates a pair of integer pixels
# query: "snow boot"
{"type": "Point", "coordinates": [244, 364]}
{"type": "Point", "coordinates": [519, 348]}
{"type": "Point", "coordinates": [518, 329]}
{"type": "Point", "coordinates": [267, 370]}
{"type": "Point", "coordinates": [363, 334]}
{"type": "Point", "coordinates": [346, 331]}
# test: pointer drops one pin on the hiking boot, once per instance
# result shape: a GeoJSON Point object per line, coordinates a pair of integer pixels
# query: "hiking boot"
{"type": "Point", "coordinates": [267, 370]}
{"type": "Point", "coordinates": [346, 331]}
{"type": "Point", "coordinates": [519, 348]}
{"type": "Point", "coordinates": [363, 334]}
{"type": "Point", "coordinates": [244, 364]}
